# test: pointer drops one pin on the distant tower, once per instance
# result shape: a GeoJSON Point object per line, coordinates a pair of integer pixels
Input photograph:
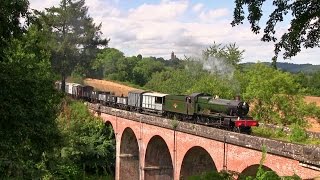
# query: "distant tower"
{"type": "Point", "coordinates": [173, 56]}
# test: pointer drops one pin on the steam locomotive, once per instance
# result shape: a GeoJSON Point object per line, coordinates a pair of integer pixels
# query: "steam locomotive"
{"type": "Point", "coordinates": [198, 108]}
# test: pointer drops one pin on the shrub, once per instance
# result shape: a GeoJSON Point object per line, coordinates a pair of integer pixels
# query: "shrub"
{"type": "Point", "coordinates": [298, 134]}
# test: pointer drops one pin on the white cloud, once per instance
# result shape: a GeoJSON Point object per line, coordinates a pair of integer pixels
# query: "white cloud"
{"type": "Point", "coordinates": [214, 14]}
{"type": "Point", "coordinates": [102, 8]}
{"type": "Point", "coordinates": [41, 4]}
{"type": "Point", "coordinates": [197, 7]}
{"type": "Point", "coordinates": [165, 11]}
{"type": "Point", "coordinates": [157, 29]}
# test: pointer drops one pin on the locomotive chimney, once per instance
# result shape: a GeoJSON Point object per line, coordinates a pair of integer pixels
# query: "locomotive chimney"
{"type": "Point", "coordinates": [238, 98]}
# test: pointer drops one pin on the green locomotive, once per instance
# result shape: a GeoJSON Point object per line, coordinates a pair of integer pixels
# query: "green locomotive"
{"type": "Point", "coordinates": [208, 110]}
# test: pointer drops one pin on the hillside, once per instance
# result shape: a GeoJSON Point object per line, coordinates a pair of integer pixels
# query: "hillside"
{"type": "Point", "coordinates": [290, 67]}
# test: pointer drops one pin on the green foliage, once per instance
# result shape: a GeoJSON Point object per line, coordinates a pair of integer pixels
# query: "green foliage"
{"type": "Point", "coordinates": [290, 67]}
{"type": "Point", "coordinates": [262, 132]}
{"type": "Point", "coordinates": [28, 107]}
{"type": "Point", "coordinates": [212, 85]}
{"type": "Point", "coordinates": [302, 32]}
{"type": "Point", "coordinates": [11, 12]}
{"type": "Point", "coordinates": [314, 83]}
{"type": "Point", "coordinates": [298, 134]}
{"type": "Point", "coordinates": [112, 65]}
{"type": "Point", "coordinates": [144, 69]}
{"type": "Point", "coordinates": [274, 95]}
{"type": "Point", "coordinates": [88, 146]}
{"type": "Point", "coordinates": [230, 54]}
{"type": "Point", "coordinates": [174, 123]}
{"type": "Point", "coordinates": [223, 175]}
{"type": "Point", "coordinates": [76, 77]}
{"type": "Point", "coordinates": [106, 61]}
{"type": "Point", "coordinates": [172, 81]}
{"type": "Point", "coordinates": [310, 83]}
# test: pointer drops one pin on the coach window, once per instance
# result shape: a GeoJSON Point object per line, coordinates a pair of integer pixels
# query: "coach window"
{"type": "Point", "coordinates": [158, 100]}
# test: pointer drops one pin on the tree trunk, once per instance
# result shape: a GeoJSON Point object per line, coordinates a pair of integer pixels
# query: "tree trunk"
{"type": "Point", "coordinates": [63, 83]}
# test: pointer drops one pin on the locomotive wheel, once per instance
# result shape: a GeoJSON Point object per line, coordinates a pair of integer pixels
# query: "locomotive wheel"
{"type": "Point", "coordinates": [198, 119]}
{"type": "Point", "coordinates": [244, 130]}
{"type": "Point", "coordinates": [236, 129]}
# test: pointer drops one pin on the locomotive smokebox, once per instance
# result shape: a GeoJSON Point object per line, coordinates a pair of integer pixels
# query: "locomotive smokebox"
{"type": "Point", "coordinates": [242, 109]}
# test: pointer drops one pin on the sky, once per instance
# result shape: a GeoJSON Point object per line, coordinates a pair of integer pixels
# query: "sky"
{"type": "Point", "coordinates": [186, 27]}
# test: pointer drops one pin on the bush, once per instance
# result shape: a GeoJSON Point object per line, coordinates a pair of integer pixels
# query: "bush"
{"type": "Point", "coordinates": [298, 134]}
{"type": "Point", "coordinates": [262, 132]}
{"type": "Point", "coordinates": [223, 175]}
{"type": "Point", "coordinates": [88, 147]}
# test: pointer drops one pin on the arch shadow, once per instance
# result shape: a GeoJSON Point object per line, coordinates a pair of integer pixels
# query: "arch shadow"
{"type": "Point", "coordinates": [252, 170]}
{"type": "Point", "coordinates": [129, 156]}
{"type": "Point", "coordinates": [196, 161]}
{"type": "Point", "coordinates": [158, 162]}
{"type": "Point", "coordinates": [108, 131]}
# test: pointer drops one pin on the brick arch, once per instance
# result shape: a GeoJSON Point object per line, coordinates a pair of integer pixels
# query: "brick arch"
{"type": "Point", "coordinates": [158, 162]}
{"type": "Point", "coordinates": [253, 169]}
{"type": "Point", "coordinates": [129, 155]}
{"type": "Point", "coordinates": [109, 123]}
{"type": "Point", "coordinates": [195, 161]}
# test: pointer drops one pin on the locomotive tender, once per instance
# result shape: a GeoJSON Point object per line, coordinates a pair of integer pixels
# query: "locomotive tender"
{"type": "Point", "coordinates": [198, 108]}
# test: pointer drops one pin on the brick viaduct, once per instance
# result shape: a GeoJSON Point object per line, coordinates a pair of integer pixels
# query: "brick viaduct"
{"type": "Point", "coordinates": [149, 147]}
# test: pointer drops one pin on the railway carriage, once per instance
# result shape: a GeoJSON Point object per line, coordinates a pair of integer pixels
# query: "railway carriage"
{"type": "Point", "coordinates": [70, 88]}
{"type": "Point", "coordinates": [87, 92]}
{"type": "Point", "coordinates": [77, 91]}
{"type": "Point", "coordinates": [122, 102]}
{"type": "Point", "coordinates": [94, 98]}
{"type": "Point", "coordinates": [111, 100]}
{"type": "Point", "coordinates": [102, 96]}
{"type": "Point", "coordinates": [135, 100]}
{"type": "Point", "coordinates": [153, 102]}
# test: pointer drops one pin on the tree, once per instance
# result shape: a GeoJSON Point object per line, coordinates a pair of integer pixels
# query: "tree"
{"type": "Point", "coordinates": [124, 68]}
{"type": "Point", "coordinates": [314, 83]}
{"type": "Point", "coordinates": [11, 12]}
{"type": "Point", "coordinates": [139, 56]}
{"type": "Point", "coordinates": [214, 85]}
{"type": "Point", "coordinates": [275, 96]}
{"type": "Point", "coordinates": [172, 81]}
{"type": "Point", "coordinates": [28, 107]}
{"type": "Point", "coordinates": [304, 26]}
{"type": "Point", "coordinates": [87, 149]}
{"type": "Point", "coordinates": [76, 36]}
{"type": "Point", "coordinates": [144, 69]}
{"type": "Point", "coordinates": [230, 54]}
{"type": "Point", "coordinates": [106, 61]}
{"type": "Point", "coordinates": [89, 143]}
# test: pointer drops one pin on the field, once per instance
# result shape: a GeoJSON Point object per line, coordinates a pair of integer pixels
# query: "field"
{"type": "Point", "coordinates": [314, 125]}
{"type": "Point", "coordinates": [118, 89]}
{"type": "Point", "coordinates": [121, 89]}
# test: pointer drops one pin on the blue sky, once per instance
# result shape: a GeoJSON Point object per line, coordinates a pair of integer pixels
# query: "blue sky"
{"type": "Point", "coordinates": [158, 27]}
